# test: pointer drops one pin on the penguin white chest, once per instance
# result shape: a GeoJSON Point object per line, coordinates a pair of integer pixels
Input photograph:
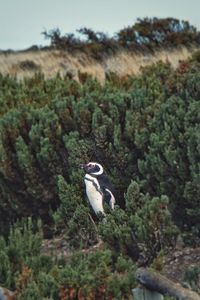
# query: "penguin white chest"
{"type": "Point", "coordinates": [94, 193]}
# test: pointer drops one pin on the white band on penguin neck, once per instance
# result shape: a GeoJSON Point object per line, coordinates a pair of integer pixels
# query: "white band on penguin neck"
{"type": "Point", "coordinates": [100, 169]}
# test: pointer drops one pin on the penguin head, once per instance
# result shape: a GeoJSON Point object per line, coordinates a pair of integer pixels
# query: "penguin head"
{"type": "Point", "coordinates": [92, 168]}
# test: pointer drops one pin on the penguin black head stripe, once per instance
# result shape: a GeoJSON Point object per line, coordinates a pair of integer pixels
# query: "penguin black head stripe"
{"type": "Point", "coordinates": [98, 187]}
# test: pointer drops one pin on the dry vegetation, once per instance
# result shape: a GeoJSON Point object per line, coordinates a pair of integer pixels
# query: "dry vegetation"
{"type": "Point", "coordinates": [51, 62]}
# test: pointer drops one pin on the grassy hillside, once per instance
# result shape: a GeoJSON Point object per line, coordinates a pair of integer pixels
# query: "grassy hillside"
{"type": "Point", "coordinates": [145, 42]}
{"type": "Point", "coordinates": [52, 61]}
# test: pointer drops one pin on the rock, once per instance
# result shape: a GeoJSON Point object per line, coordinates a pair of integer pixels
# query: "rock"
{"type": "Point", "coordinates": [6, 294]}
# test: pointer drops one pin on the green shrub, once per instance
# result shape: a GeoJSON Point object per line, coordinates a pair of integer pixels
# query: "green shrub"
{"type": "Point", "coordinates": [18, 251]}
{"type": "Point", "coordinates": [35, 275]}
{"type": "Point", "coordinates": [143, 229]}
{"type": "Point", "coordinates": [148, 132]}
{"type": "Point", "coordinates": [192, 278]}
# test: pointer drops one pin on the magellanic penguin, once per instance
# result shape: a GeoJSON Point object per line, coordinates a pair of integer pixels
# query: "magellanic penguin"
{"type": "Point", "coordinates": [98, 187]}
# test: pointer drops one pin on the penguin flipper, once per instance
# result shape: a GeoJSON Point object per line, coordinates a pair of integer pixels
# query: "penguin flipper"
{"type": "Point", "coordinates": [109, 198]}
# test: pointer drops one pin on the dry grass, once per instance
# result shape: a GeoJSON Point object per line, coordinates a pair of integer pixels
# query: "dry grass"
{"type": "Point", "coordinates": [51, 62]}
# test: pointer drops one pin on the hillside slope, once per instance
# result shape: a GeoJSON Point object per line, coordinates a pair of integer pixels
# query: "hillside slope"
{"type": "Point", "coordinates": [50, 62]}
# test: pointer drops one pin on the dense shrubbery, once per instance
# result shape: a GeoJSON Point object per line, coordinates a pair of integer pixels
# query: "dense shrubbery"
{"type": "Point", "coordinates": [148, 132]}
{"type": "Point", "coordinates": [33, 275]}
{"type": "Point", "coordinates": [145, 132]}
{"type": "Point", "coordinates": [146, 34]}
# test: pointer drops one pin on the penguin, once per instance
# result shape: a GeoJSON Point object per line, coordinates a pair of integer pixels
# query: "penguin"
{"type": "Point", "coordinates": [98, 187]}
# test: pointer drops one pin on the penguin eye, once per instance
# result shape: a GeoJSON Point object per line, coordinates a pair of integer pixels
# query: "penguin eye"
{"type": "Point", "coordinates": [90, 166]}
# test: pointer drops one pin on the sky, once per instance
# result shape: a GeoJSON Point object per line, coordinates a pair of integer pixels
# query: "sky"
{"type": "Point", "coordinates": [23, 21]}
